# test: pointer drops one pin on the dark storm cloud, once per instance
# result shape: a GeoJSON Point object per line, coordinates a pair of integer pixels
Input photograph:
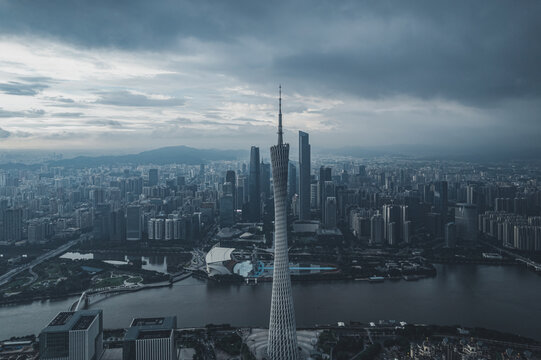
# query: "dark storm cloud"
{"type": "Point", "coordinates": [18, 88]}
{"type": "Point", "coordinates": [4, 134]}
{"type": "Point", "coordinates": [471, 51]}
{"type": "Point", "coordinates": [126, 98]}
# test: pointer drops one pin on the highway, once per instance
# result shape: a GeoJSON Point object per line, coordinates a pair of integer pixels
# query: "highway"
{"type": "Point", "coordinates": [14, 272]}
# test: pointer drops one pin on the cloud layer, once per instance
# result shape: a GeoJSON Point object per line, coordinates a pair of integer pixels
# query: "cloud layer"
{"type": "Point", "coordinates": [129, 74]}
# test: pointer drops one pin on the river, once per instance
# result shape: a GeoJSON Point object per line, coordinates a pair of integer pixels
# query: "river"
{"type": "Point", "coordinates": [505, 298]}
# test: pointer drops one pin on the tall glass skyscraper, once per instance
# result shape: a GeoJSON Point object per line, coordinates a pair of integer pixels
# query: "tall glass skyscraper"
{"type": "Point", "coordinates": [304, 175]}
{"type": "Point", "coordinates": [282, 344]}
{"type": "Point", "coordinates": [254, 193]}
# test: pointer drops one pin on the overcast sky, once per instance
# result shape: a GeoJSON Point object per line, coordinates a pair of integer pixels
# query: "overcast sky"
{"type": "Point", "coordinates": [142, 74]}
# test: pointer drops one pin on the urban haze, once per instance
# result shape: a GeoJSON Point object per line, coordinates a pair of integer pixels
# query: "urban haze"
{"type": "Point", "coordinates": [277, 180]}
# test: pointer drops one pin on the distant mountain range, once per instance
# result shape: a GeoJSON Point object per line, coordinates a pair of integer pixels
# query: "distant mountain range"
{"type": "Point", "coordinates": [192, 156]}
{"type": "Point", "coordinates": [161, 156]}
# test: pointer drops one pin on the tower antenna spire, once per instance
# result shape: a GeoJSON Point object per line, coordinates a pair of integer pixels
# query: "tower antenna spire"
{"type": "Point", "coordinates": [280, 132]}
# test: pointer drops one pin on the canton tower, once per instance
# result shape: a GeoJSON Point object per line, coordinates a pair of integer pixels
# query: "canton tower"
{"type": "Point", "coordinates": [282, 343]}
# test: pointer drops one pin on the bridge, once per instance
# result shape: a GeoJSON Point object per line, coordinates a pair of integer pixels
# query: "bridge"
{"type": "Point", "coordinates": [95, 295]}
{"type": "Point", "coordinates": [520, 259]}
{"type": "Point", "coordinates": [529, 263]}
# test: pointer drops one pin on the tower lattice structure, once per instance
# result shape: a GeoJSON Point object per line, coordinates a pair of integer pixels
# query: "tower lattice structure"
{"type": "Point", "coordinates": [282, 343]}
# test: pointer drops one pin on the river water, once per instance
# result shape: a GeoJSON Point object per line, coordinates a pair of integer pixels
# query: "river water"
{"type": "Point", "coordinates": [503, 298]}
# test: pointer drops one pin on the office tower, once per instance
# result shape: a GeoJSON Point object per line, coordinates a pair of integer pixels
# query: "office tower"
{"type": "Point", "coordinates": [150, 339]}
{"type": "Point", "coordinates": [295, 205]}
{"type": "Point", "coordinates": [97, 196]}
{"type": "Point", "coordinates": [102, 222]}
{"type": "Point", "coordinates": [254, 208]}
{"type": "Point", "coordinates": [304, 176]}
{"type": "Point", "coordinates": [405, 224]}
{"type": "Point", "coordinates": [327, 191]}
{"type": "Point", "coordinates": [324, 175]}
{"type": "Point", "coordinates": [181, 181]}
{"type": "Point", "coordinates": [362, 170]}
{"type": "Point", "coordinates": [227, 215]}
{"type": "Point", "coordinates": [36, 232]}
{"type": "Point", "coordinates": [450, 235]}
{"type": "Point", "coordinates": [406, 231]}
{"type": "Point", "coordinates": [12, 230]}
{"type": "Point", "coordinates": [282, 344]}
{"type": "Point", "coordinates": [466, 220]}
{"type": "Point", "coordinates": [133, 223]}
{"type": "Point", "coordinates": [313, 195]}
{"type": "Point", "coordinates": [441, 200]}
{"type": "Point", "coordinates": [231, 177]}
{"type": "Point", "coordinates": [330, 212]}
{"type": "Point", "coordinates": [202, 170]}
{"type": "Point", "coordinates": [152, 177]}
{"type": "Point", "coordinates": [471, 194]}
{"type": "Point", "coordinates": [392, 233]}
{"type": "Point", "coordinates": [73, 336]}
{"type": "Point", "coordinates": [292, 181]}
{"type": "Point", "coordinates": [376, 230]}
{"type": "Point", "coordinates": [118, 226]}
{"type": "Point", "coordinates": [265, 180]}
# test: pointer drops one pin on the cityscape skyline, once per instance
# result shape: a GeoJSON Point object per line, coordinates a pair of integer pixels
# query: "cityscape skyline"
{"type": "Point", "coordinates": [369, 74]}
{"type": "Point", "coordinates": [154, 205]}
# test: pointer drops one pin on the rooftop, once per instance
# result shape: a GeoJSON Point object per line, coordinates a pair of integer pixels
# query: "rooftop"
{"type": "Point", "coordinates": [72, 320]}
{"type": "Point", "coordinates": [151, 328]}
{"type": "Point", "coordinates": [83, 323]}
{"type": "Point", "coordinates": [154, 334]}
{"type": "Point", "coordinates": [62, 318]}
{"type": "Point", "coordinates": [218, 254]}
{"type": "Point", "coordinates": [147, 321]}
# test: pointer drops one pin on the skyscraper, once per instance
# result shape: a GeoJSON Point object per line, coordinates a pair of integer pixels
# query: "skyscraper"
{"type": "Point", "coordinates": [327, 190]}
{"type": "Point", "coordinates": [231, 177]}
{"type": "Point", "coordinates": [152, 177]}
{"type": "Point", "coordinates": [282, 344]}
{"type": "Point", "coordinates": [304, 176]}
{"type": "Point", "coordinates": [133, 223]}
{"type": "Point", "coordinates": [330, 212]}
{"type": "Point", "coordinates": [265, 179]}
{"type": "Point", "coordinates": [292, 181]}
{"type": "Point", "coordinates": [13, 225]}
{"type": "Point", "coordinates": [324, 175]}
{"type": "Point", "coordinates": [254, 194]}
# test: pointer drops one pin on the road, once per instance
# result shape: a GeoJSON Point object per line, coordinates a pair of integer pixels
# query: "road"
{"type": "Point", "coordinates": [14, 272]}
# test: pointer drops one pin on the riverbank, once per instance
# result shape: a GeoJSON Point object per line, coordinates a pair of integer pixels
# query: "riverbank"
{"type": "Point", "coordinates": [495, 297]}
